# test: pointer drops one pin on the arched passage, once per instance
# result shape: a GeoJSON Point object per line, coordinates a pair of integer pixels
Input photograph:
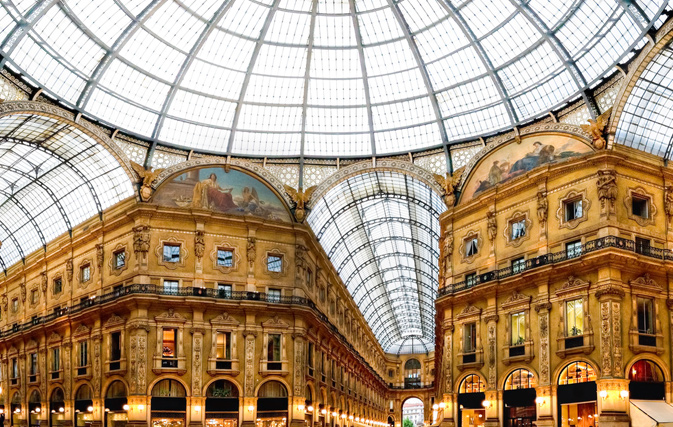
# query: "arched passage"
{"type": "Point", "coordinates": [272, 405]}
{"type": "Point", "coordinates": [57, 407]}
{"type": "Point", "coordinates": [470, 401]}
{"type": "Point", "coordinates": [412, 373]}
{"type": "Point", "coordinates": [169, 403]}
{"type": "Point", "coordinates": [576, 393]}
{"type": "Point", "coordinates": [222, 404]}
{"type": "Point", "coordinates": [83, 406]}
{"type": "Point", "coordinates": [34, 408]}
{"type": "Point", "coordinates": [412, 412]}
{"type": "Point", "coordinates": [116, 404]}
{"type": "Point", "coordinates": [519, 398]}
{"type": "Point", "coordinates": [647, 381]}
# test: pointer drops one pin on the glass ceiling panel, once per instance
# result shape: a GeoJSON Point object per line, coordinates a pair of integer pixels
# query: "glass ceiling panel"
{"type": "Point", "coordinates": [52, 177]}
{"type": "Point", "coordinates": [381, 232]}
{"type": "Point", "coordinates": [128, 62]}
{"type": "Point", "coordinates": [645, 122]}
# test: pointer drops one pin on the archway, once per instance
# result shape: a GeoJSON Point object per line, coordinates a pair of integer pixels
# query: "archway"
{"type": "Point", "coordinates": [116, 405]}
{"type": "Point", "coordinates": [15, 406]}
{"type": "Point", "coordinates": [412, 412]}
{"type": "Point", "coordinates": [34, 408]}
{"type": "Point", "coordinates": [272, 405]}
{"type": "Point", "coordinates": [576, 395]}
{"type": "Point", "coordinates": [222, 404]}
{"type": "Point", "coordinates": [519, 398]}
{"type": "Point", "coordinates": [83, 406]}
{"type": "Point", "coordinates": [647, 381]}
{"type": "Point", "coordinates": [169, 403]}
{"type": "Point", "coordinates": [57, 408]}
{"type": "Point", "coordinates": [412, 374]}
{"type": "Point", "coordinates": [471, 396]}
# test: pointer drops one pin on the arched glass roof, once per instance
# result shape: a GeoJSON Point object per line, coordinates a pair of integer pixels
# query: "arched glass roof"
{"type": "Point", "coordinates": [646, 121]}
{"type": "Point", "coordinates": [52, 177]}
{"type": "Point", "coordinates": [318, 78]}
{"type": "Point", "coordinates": [381, 232]}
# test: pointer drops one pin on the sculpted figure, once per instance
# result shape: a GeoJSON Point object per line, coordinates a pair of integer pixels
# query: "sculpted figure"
{"type": "Point", "coordinates": [607, 188]}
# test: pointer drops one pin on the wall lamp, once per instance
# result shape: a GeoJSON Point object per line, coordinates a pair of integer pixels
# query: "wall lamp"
{"type": "Point", "coordinates": [624, 394]}
{"type": "Point", "coordinates": [603, 394]}
{"type": "Point", "coordinates": [539, 400]}
{"type": "Point", "coordinates": [442, 405]}
{"type": "Point", "coordinates": [251, 408]}
{"type": "Point", "coordinates": [486, 403]}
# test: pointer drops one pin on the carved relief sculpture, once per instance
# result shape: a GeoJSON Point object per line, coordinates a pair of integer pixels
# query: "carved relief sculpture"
{"type": "Point", "coordinates": [141, 240]}
{"type": "Point", "coordinates": [147, 177]}
{"type": "Point", "coordinates": [44, 281]}
{"type": "Point", "coordinates": [22, 290]}
{"type": "Point", "coordinates": [448, 184]}
{"type": "Point", "coordinates": [99, 256]}
{"type": "Point", "coordinates": [69, 269]}
{"type": "Point", "coordinates": [668, 202]}
{"type": "Point", "coordinates": [542, 206]}
{"type": "Point", "coordinates": [595, 129]}
{"type": "Point", "coordinates": [607, 190]}
{"type": "Point", "coordinates": [199, 244]}
{"type": "Point", "coordinates": [252, 253]}
{"type": "Point", "coordinates": [250, 365]}
{"type": "Point", "coordinates": [491, 224]}
{"type": "Point", "coordinates": [300, 198]}
{"type": "Point", "coordinates": [197, 352]}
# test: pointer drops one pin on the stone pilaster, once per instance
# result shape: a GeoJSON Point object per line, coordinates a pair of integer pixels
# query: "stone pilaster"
{"type": "Point", "coordinates": [493, 410]}
{"type": "Point", "coordinates": [543, 338]}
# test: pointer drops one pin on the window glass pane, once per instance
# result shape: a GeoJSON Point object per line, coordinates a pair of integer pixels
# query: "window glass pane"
{"type": "Point", "coordinates": [171, 287]}
{"type": "Point", "coordinates": [56, 359]}
{"type": "Point", "coordinates": [169, 343]}
{"type": "Point", "coordinates": [120, 259]}
{"type": "Point", "coordinates": [518, 265]}
{"type": "Point", "coordinates": [86, 273]}
{"type": "Point", "coordinates": [470, 338]}
{"type": "Point", "coordinates": [273, 350]}
{"type": "Point", "coordinates": [115, 346]}
{"type": "Point", "coordinates": [274, 295]}
{"type": "Point", "coordinates": [575, 317]}
{"type": "Point", "coordinates": [645, 312]}
{"type": "Point", "coordinates": [83, 353]}
{"type": "Point", "coordinates": [518, 229]}
{"type": "Point", "coordinates": [171, 253]}
{"type": "Point", "coordinates": [225, 258]}
{"type": "Point", "coordinates": [518, 328]}
{"type": "Point", "coordinates": [274, 263]}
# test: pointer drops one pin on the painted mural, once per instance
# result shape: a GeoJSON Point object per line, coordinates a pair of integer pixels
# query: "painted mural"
{"type": "Point", "coordinates": [513, 160]}
{"type": "Point", "coordinates": [213, 188]}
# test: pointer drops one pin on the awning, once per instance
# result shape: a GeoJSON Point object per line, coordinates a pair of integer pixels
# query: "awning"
{"type": "Point", "coordinates": [651, 413]}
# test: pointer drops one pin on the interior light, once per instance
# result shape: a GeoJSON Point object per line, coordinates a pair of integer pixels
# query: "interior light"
{"type": "Point", "coordinates": [197, 408]}
{"type": "Point", "coordinates": [486, 403]}
{"type": "Point", "coordinates": [61, 409]}
{"type": "Point", "coordinates": [300, 407]}
{"type": "Point", "coordinates": [624, 394]}
{"type": "Point", "coordinates": [37, 410]}
{"type": "Point", "coordinates": [125, 407]}
{"type": "Point", "coordinates": [603, 394]}
{"type": "Point", "coordinates": [89, 408]}
{"type": "Point", "coordinates": [435, 406]}
{"type": "Point", "coordinates": [310, 408]}
{"type": "Point", "coordinates": [442, 405]}
{"type": "Point", "coordinates": [323, 411]}
{"type": "Point", "coordinates": [251, 408]}
{"type": "Point", "coordinates": [141, 407]}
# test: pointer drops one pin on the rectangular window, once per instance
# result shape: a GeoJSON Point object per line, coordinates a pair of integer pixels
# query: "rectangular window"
{"type": "Point", "coordinates": [119, 259]}
{"type": "Point", "coordinates": [169, 342]}
{"type": "Point", "coordinates": [15, 368]}
{"type": "Point", "coordinates": [224, 291]}
{"type": "Point", "coordinates": [518, 265]}
{"type": "Point", "coordinates": [58, 286]}
{"type": "Point", "coordinates": [83, 353]}
{"type": "Point", "coordinates": [225, 257]}
{"type": "Point", "coordinates": [33, 364]}
{"type": "Point", "coordinates": [274, 263]}
{"type": "Point", "coordinates": [85, 273]}
{"type": "Point", "coordinates": [574, 317]}
{"type": "Point", "coordinates": [470, 338]}
{"type": "Point", "coordinates": [645, 316]}
{"type": "Point", "coordinates": [34, 296]}
{"type": "Point", "coordinates": [171, 253]}
{"type": "Point", "coordinates": [573, 209]}
{"type": "Point", "coordinates": [310, 354]}
{"type": "Point", "coordinates": [518, 229]}
{"type": "Point", "coordinates": [224, 345]}
{"type": "Point", "coordinates": [518, 328]}
{"type": "Point", "coordinates": [471, 246]}
{"type": "Point", "coordinates": [309, 278]}
{"type": "Point", "coordinates": [642, 246]}
{"type": "Point", "coordinates": [56, 359]}
{"type": "Point", "coordinates": [171, 287]}
{"type": "Point", "coordinates": [15, 305]}
{"type": "Point", "coordinates": [115, 346]}
{"type": "Point", "coordinates": [273, 349]}
{"type": "Point", "coordinates": [639, 207]}
{"type": "Point", "coordinates": [470, 279]}
{"type": "Point", "coordinates": [274, 295]}
{"type": "Point", "coordinates": [574, 249]}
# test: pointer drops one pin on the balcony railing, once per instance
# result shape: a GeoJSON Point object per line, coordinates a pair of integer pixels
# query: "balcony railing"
{"type": "Point", "coordinates": [147, 289]}
{"type": "Point", "coordinates": [556, 257]}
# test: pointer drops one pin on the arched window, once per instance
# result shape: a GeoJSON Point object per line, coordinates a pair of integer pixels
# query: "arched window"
{"type": "Point", "coordinates": [472, 384]}
{"type": "Point", "coordinates": [222, 388]}
{"type": "Point", "coordinates": [272, 389]}
{"type": "Point", "coordinates": [57, 396]}
{"type": "Point", "coordinates": [57, 407]}
{"type": "Point", "coordinates": [412, 369]}
{"type": "Point", "coordinates": [168, 388]}
{"type": "Point", "coordinates": [577, 372]}
{"type": "Point", "coordinates": [116, 390]}
{"type": "Point", "coordinates": [84, 393]}
{"type": "Point", "coordinates": [520, 378]}
{"type": "Point", "coordinates": [646, 371]}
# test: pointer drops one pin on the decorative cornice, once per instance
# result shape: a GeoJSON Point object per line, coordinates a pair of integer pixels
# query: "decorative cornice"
{"type": "Point", "coordinates": [492, 318]}
{"type": "Point", "coordinates": [610, 291]}
{"type": "Point", "coordinates": [544, 306]}
{"type": "Point", "coordinates": [645, 281]}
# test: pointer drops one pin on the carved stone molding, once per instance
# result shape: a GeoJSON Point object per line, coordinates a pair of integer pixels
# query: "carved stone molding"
{"type": "Point", "coordinates": [141, 240]}
{"type": "Point", "coordinates": [283, 263]}
{"type": "Point", "coordinates": [542, 307]}
{"type": "Point", "coordinates": [560, 212]}
{"type": "Point", "coordinates": [472, 234]}
{"type": "Point", "coordinates": [607, 190]}
{"type": "Point", "coordinates": [641, 193]}
{"type": "Point", "coordinates": [516, 300]}
{"type": "Point", "coordinates": [224, 319]}
{"type": "Point", "coordinates": [610, 291]}
{"type": "Point", "coordinates": [114, 270]}
{"type": "Point", "coordinates": [184, 253]}
{"type": "Point", "coordinates": [573, 284]}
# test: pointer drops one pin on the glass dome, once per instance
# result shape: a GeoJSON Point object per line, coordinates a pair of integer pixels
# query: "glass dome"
{"type": "Point", "coordinates": [318, 78]}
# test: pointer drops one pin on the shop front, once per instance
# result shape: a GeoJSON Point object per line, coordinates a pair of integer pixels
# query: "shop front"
{"type": "Point", "coordinates": [222, 404]}
{"type": "Point", "coordinates": [471, 412]}
{"type": "Point", "coordinates": [84, 406]}
{"type": "Point", "coordinates": [576, 395]}
{"type": "Point", "coordinates": [519, 399]}
{"type": "Point", "coordinates": [272, 405]}
{"type": "Point", "coordinates": [57, 408]}
{"type": "Point", "coordinates": [169, 404]}
{"type": "Point", "coordinates": [116, 405]}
